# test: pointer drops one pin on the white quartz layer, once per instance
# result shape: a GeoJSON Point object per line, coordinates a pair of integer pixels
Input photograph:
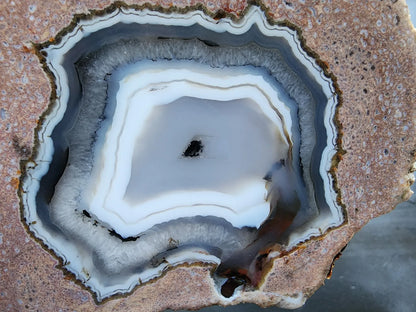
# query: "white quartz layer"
{"type": "Point", "coordinates": [142, 177]}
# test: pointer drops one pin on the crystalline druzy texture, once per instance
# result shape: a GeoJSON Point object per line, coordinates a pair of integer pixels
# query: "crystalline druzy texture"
{"type": "Point", "coordinates": [179, 138]}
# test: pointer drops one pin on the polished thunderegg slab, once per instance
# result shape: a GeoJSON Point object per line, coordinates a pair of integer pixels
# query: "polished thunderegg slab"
{"type": "Point", "coordinates": [134, 167]}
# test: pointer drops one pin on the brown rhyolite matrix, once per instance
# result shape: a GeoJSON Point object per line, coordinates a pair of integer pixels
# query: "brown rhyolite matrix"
{"type": "Point", "coordinates": [368, 46]}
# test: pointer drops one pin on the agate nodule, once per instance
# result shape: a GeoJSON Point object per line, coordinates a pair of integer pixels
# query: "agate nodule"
{"type": "Point", "coordinates": [179, 138]}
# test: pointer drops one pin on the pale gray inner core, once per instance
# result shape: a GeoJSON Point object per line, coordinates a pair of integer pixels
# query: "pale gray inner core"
{"type": "Point", "coordinates": [239, 144]}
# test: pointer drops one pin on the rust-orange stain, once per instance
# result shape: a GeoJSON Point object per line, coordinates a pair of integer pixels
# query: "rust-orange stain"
{"type": "Point", "coordinates": [15, 183]}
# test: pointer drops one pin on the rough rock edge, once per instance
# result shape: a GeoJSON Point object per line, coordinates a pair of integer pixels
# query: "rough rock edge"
{"type": "Point", "coordinates": [179, 301]}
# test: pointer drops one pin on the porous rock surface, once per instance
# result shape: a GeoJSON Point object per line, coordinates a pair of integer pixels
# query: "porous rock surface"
{"type": "Point", "coordinates": [369, 46]}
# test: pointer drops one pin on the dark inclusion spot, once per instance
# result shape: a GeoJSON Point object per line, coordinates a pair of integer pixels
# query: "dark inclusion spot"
{"type": "Point", "coordinates": [194, 149]}
{"type": "Point", "coordinates": [276, 166]}
{"type": "Point", "coordinates": [209, 43]}
{"type": "Point", "coordinates": [123, 239]}
{"type": "Point", "coordinates": [86, 213]}
{"type": "Point", "coordinates": [227, 289]}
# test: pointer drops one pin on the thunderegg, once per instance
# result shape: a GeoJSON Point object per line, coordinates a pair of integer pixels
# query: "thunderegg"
{"type": "Point", "coordinates": [193, 141]}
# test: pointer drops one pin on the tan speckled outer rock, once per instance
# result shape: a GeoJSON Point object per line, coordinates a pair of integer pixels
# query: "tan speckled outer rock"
{"type": "Point", "coordinates": [370, 48]}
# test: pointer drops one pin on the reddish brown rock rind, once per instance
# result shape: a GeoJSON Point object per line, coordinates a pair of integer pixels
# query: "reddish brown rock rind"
{"type": "Point", "coordinates": [378, 137]}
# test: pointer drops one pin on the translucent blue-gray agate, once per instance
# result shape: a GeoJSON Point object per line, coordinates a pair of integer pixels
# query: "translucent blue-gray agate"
{"type": "Point", "coordinates": [177, 138]}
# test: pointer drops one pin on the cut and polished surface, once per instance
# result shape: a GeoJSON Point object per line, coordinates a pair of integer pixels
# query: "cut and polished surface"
{"type": "Point", "coordinates": [176, 139]}
{"type": "Point", "coordinates": [143, 175]}
{"type": "Point", "coordinates": [368, 46]}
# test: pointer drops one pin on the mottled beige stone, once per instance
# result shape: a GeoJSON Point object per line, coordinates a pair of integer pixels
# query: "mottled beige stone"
{"type": "Point", "coordinates": [368, 45]}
